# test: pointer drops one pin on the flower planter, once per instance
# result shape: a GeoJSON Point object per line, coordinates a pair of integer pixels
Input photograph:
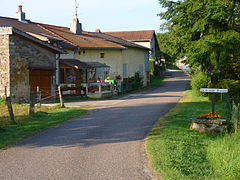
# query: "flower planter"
{"type": "Point", "coordinates": [215, 126]}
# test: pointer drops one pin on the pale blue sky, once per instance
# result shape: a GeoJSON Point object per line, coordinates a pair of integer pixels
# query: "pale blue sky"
{"type": "Point", "coordinates": [108, 15]}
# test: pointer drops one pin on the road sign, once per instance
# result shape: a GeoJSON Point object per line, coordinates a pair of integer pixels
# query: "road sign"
{"type": "Point", "coordinates": [214, 90]}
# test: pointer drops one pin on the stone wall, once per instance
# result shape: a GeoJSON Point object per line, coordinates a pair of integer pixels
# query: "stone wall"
{"type": "Point", "coordinates": [24, 56]}
{"type": "Point", "coordinates": [4, 64]}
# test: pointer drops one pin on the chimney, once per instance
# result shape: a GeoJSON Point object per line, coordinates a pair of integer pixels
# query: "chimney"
{"type": "Point", "coordinates": [98, 30]}
{"type": "Point", "coordinates": [21, 14]}
{"type": "Point", "coordinates": [75, 26]}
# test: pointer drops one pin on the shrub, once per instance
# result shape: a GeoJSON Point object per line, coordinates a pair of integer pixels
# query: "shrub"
{"type": "Point", "coordinates": [132, 83]}
{"type": "Point", "coordinates": [199, 80]}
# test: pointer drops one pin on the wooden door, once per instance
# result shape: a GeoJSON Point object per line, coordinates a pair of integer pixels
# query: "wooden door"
{"type": "Point", "coordinates": [43, 79]}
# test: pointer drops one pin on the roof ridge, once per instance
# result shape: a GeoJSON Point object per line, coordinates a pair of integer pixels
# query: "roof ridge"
{"type": "Point", "coordinates": [56, 34]}
{"type": "Point", "coordinates": [128, 31]}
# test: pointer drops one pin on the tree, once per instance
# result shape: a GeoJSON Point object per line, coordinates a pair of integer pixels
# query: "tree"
{"type": "Point", "coordinates": [205, 31]}
{"type": "Point", "coordinates": [165, 52]}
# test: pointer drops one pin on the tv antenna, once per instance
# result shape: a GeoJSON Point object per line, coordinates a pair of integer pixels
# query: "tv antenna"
{"type": "Point", "coordinates": [76, 8]}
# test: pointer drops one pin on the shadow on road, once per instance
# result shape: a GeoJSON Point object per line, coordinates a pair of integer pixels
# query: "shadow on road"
{"type": "Point", "coordinates": [108, 125]}
{"type": "Point", "coordinates": [129, 120]}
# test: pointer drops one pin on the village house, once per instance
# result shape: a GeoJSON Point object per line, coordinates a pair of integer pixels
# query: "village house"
{"type": "Point", "coordinates": [25, 63]}
{"type": "Point", "coordinates": [87, 55]}
{"type": "Point", "coordinates": [146, 38]}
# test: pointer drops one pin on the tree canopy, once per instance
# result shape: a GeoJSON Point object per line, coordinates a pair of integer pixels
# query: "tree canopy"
{"type": "Point", "coordinates": [165, 46]}
{"type": "Point", "coordinates": [207, 32]}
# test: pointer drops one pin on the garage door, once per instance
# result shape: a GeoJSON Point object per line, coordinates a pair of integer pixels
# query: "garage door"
{"type": "Point", "coordinates": [41, 79]}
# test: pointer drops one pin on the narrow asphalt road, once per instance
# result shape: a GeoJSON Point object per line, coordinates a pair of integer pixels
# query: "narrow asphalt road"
{"type": "Point", "coordinates": [107, 144]}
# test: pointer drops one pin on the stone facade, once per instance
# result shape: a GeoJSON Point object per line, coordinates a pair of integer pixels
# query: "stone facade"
{"type": "Point", "coordinates": [18, 56]}
{"type": "Point", "coordinates": [4, 64]}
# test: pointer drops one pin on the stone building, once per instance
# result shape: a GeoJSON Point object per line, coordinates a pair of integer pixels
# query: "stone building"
{"type": "Point", "coordinates": [25, 63]}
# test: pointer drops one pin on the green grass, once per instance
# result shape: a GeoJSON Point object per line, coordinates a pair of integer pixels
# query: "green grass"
{"type": "Point", "coordinates": [11, 133]}
{"type": "Point", "coordinates": [2, 101]}
{"type": "Point", "coordinates": [179, 153]}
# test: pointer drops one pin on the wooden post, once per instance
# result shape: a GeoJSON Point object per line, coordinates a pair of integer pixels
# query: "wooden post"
{"type": "Point", "coordinates": [39, 97]}
{"type": "Point", "coordinates": [86, 89]}
{"type": "Point", "coordinates": [32, 103]}
{"type": "Point", "coordinates": [5, 91]}
{"type": "Point", "coordinates": [213, 104]}
{"type": "Point", "coordinates": [100, 90]}
{"type": "Point", "coordinates": [10, 109]}
{"type": "Point", "coordinates": [60, 97]}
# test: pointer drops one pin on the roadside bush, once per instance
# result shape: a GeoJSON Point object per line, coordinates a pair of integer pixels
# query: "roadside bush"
{"type": "Point", "coordinates": [199, 80]}
{"type": "Point", "coordinates": [132, 83]}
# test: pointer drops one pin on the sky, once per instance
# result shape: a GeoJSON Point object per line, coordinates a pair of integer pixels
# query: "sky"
{"type": "Point", "coordinates": [107, 15]}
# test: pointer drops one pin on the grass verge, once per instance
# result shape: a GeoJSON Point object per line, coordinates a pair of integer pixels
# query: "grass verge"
{"type": "Point", "coordinates": [179, 153]}
{"type": "Point", "coordinates": [28, 125]}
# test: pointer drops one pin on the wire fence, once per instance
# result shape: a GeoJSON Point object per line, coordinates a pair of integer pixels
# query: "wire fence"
{"type": "Point", "coordinates": [232, 112]}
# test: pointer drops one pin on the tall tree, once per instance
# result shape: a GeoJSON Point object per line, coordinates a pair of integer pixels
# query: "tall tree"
{"type": "Point", "coordinates": [164, 40]}
{"type": "Point", "coordinates": [206, 32]}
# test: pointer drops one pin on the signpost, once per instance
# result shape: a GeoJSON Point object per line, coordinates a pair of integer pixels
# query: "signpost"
{"type": "Point", "coordinates": [213, 91]}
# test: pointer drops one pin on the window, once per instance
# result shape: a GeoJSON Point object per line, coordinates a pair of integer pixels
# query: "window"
{"type": "Point", "coordinates": [125, 70]}
{"type": "Point", "coordinates": [67, 75]}
{"type": "Point", "coordinates": [102, 55]}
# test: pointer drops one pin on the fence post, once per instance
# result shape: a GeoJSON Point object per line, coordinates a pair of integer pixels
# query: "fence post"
{"type": "Point", "coordinates": [60, 97]}
{"type": "Point", "coordinates": [10, 109]}
{"type": "Point", "coordinates": [5, 91]}
{"type": "Point", "coordinates": [86, 89]}
{"type": "Point", "coordinates": [237, 118]}
{"type": "Point", "coordinates": [100, 90]}
{"type": "Point", "coordinates": [39, 98]}
{"type": "Point", "coordinates": [32, 103]}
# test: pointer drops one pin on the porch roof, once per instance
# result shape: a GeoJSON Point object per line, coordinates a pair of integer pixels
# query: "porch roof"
{"type": "Point", "coordinates": [96, 64]}
{"type": "Point", "coordinates": [75, 63]}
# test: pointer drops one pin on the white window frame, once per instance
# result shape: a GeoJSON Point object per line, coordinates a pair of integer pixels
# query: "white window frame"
{"type": "Point", "coordinates": [125, 70]}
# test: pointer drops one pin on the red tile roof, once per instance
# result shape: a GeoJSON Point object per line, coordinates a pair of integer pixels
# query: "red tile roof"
{"type": "Point", "coordinates": [84, 40]}
{"type": "Point", "coordinates": [117, 40]}
{"type": "Point", "coordinates": [134, 35]}
{"type": "Point", "coordinates": [12, 30]}
{"type": "Point", "coordinates": [69, 39]}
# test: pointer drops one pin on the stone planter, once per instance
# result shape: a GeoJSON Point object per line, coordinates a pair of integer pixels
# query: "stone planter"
{"type": "Point", "coordinates": [208, 126]}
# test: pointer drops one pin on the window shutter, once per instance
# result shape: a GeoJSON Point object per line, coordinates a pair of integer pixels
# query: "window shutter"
{"type": "Point", "coordinates": [125, 70]}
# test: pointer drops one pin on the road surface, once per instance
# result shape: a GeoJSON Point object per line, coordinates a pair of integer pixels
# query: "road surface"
{"type": "Point", "coordinates": [107, 144]}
